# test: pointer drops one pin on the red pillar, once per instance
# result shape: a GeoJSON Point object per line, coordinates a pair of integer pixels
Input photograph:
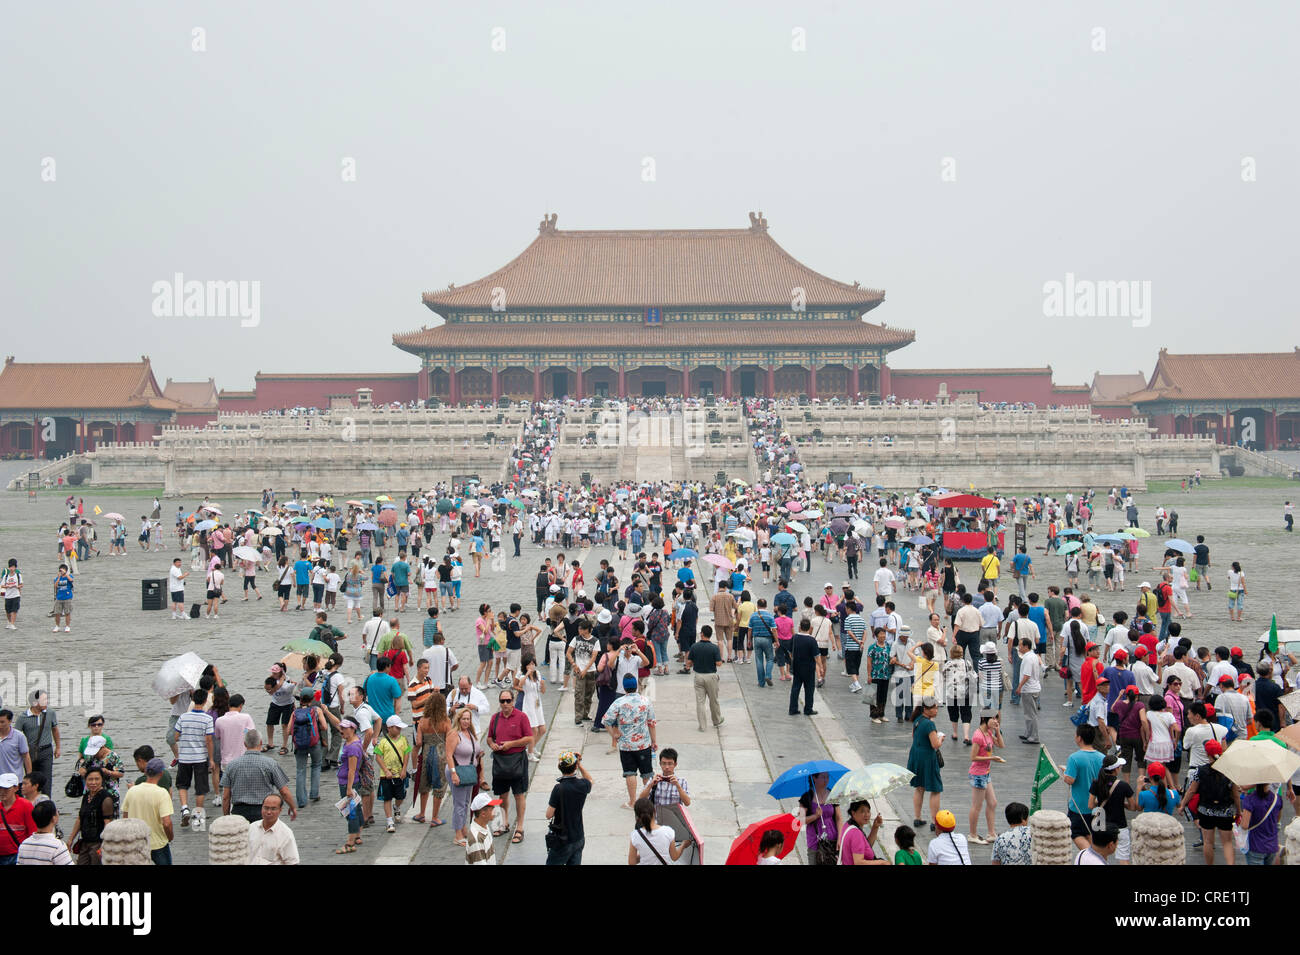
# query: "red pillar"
{"type": "Point", "coordinates": [577, 382]}
{"type": "Point", "coordinates": [686, 380]}
{"type": "Point", "coordinates": [726, 382]}
{"type": "Point", "coordinates": [855, 383]}
{"type": "Point", "coordinates": [812, 381]}
{"type": "Point", "coordinates": [37, 450]}
{"type": "Point", "coordinates": [422, 383]}
{"type": "Point", "coordinates": [82, 434]}
{"type": "Point", "coordinates": [453, 386]}
{"type": "Point", "coordinates": [537, 384]}
{"type": "Point", "coordinates": [622, 382]}
{"type": "Point", "coordinates": [884, 384]}
{"type": "Point", "coordinates": [496, 384]}
{"type": "Point", "coordinates": [771, 381]}
{"type": "Point", "coordinates": [1270, 432]}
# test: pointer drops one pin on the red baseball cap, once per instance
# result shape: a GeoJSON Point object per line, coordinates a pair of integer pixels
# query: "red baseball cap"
{"type": "Point", "coordinates": [1227, 679]}
{"type": "Point", "coordinates": [1213, 747]}
{"type": "Point", "coordinates": [1139, 651]}
{"type": "Point", "coordinates": [1090, 646]}
{"type": "Point", "coordinates": [1237, 651]}
{"type": "Point", "coordinates": [1131, 690]}
{"type": "Point", "coordinates": [1209, 711]}
{"type": "Point", "coordinates": [1155, 769]}
{"type": "Point", "coordinates": [1121, 654]}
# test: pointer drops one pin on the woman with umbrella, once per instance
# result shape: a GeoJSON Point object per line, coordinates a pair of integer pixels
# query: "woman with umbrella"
{"type": "Point", "coordinates": [856, 839]}
{"type": "Point", "coordinates": [1219, 805]}
{"type": "Point", "coordinates": [821, 820]}
{"type": "Point", "coordinates": [923, 760]}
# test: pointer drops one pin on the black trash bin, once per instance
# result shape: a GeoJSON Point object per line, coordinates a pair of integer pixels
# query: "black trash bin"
{"type": "Point", "coordinates": [152, 594]}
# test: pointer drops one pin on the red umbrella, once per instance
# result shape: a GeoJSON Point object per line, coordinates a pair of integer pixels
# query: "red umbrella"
{"type": "Point", "coordinates": [960, 500]}
{"type": "Point", "coordinates": [388, 518]}
{"type": "Point", "coordinates": [744, 851]}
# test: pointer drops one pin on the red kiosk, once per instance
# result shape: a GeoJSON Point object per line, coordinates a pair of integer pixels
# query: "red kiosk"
{"type": "Point", "coordinates": [972, 543]}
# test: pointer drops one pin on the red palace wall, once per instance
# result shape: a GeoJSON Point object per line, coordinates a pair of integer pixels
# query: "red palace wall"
{"type": "Point", "coordinates": [1035, 387]}
{"type": "Point", "coordinates": [273, 393]}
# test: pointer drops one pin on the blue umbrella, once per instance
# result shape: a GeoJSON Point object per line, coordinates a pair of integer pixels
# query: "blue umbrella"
{"type": "Point", "coordinates": [843, 509]}
{"type": "Point", "coordinates": [682, 554]}
{"type": "Point", "coordinates": [389, 507]}
{"type": "Point", "coordinates": [205, 525]}
{"type": "Point", "coordinates": [877, 487]}
{"type": "Point", "coordinates": [367, 526]}
{"type": "Point", "coordinates": [293, 507]}
{"type": "Point", "coordinates": [793, 783]}
{"type": "Point", "coordinates": [920, 540]}
{"type": "Point", "coordinates": [1180, 545]}
{"type": "Point", "coordinates": [324, 523]}
{"type": "Point", "coordinates": [1069, 532]}
{"type": "Point", "coordinates": [1110, 538]}
{"type": "Point", "coordinates": [503, 500]}
{"type": "Point", "coordinates": [367, 502]}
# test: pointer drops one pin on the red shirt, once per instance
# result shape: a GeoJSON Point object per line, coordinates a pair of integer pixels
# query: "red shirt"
{"type": "Point", "coordinates": [17, 817]}
{"type": "Point", "coordinates": [1148, 640]}
{"type": "Point", "coordinates": [1088, 680]}
{"type": "Point", "coordinates": [504, 728]}
{"type": "Point", "coordinates": [1164, 595]}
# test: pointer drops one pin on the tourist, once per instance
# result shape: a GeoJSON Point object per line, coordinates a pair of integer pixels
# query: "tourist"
{"type": "Point", "coordinates": [703, 658]}
{"type": "Point", "coordinates": [1261, 812]}
{"type": "Point", "coordinates": [193, 735]}
{"type": "Point", "coordinates": [1012, 847]}
{"type": "Point", "coordinates": [907, 854]}
{"type": "Point", "coordinates": [958, 679]}
{"type": "Point", "coordinates": [1099, 848]}
{"type": "Point", "coordinates": [651, 843]}
{"type": "Point", "coordinates": [856, 838]}
{"type": "Point", "coordinates": [631, 724]}
{"type": "Point", "coordinates": [478, 846]}
{"type": "Point", "coordinates": [1219, 805]}
{"type": "Point", "coordinates": [1030, 685]}
{"type": "Point", "coordinates": [987, 736]}
{"type": "Point", "coordinates": [923, 760]}
{"type": "Point", "coordinates": [247, 781]}
{"type": "Point", "coordinates": [63, 586]}
{"type": "Point", "coordinates": [948, 847]}
{"type": "Point", "coordinates": [353, 768]}
{"type": "Point", "coordinates": [1236, 592]}
{"type": "Point", "coordinates": [509, 734]}
{"type": "Point", "coordinates": [566, 837]}
{"type": "Point", "coordinates": [40, 724]}
{"type": "Point", "coordinates": [1081, 771]}
{"type": "Point", "coordinates": [1112, 795]}
{"type": "Point", "coordinates": [279, 710]}
{"type": "Point", "coordinates": [310, 727]}
{"type": "Point", "coordinates": [804, 654]}
{"type": "Point", "coordinates": [151, 804]}
{"type": "Point", "coordinates": [1155, 794]}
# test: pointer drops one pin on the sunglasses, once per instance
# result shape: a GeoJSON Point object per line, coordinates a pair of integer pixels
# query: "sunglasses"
{"type": "Point", "coordinates": [505, 699]}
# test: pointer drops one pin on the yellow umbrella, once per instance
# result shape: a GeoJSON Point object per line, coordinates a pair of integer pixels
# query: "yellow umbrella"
{"type": "Point", "coordinates": [1250, 762]}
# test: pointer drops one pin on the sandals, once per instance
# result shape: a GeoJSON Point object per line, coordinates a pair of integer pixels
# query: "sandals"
{"type": "Point", "coordinates": [284, 751]}
{"type": "Point", "coordinates": [518, 837]}
{"type": "Point", "coordinates": [500, 832]}
{"type": "Point", "coordinates": [265, 749]}
{"type": "Point", "coordinates": [344, 850]}
{"type": "Point", "coordinates": [419, 818]}
{"type": "Point", "coordinates": [459, 842]}
{"type": "Point", "coordinates": [434, 824]}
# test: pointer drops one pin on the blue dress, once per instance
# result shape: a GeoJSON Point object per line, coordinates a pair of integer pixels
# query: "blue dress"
{"type": "Point", "coordinates": [923, 759]}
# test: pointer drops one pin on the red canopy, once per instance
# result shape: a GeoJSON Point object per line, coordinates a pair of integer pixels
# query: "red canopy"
{"type": "Point", "coordinates": [960, 500]}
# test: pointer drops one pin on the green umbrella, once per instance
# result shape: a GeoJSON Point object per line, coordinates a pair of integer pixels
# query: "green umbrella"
{"type": "Point", "coordinates": [444, 505]}
{"type": "Point", "coordinates": [1070, 547]}
{"type": "Point", "coordinates": [517, 504]}
{"type": "Point", "coordinates": [870, 782]}
{"type": "Point", "coordinates": [308, 645]}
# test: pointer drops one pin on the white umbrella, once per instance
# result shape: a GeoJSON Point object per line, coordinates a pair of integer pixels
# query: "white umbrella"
{"type": "Point", "coordinates": [271, 531]}
{"type": "Point", "coordinates": [1249, 762]}
{"type": "Point", "coordinates": [212, 508]}
{"type": "Point", "coordinates": [811, 515]}
{"type": "Point", "coordinates": [178, 675]}
{"type": "Point", "coordinates": [247, 553]}
{"type": "Point", "coordinates": [861, 527]}
{"type": "Point", "coordinates": [797, 527]}
{"type": "Point", "coordinates": [744, 533]}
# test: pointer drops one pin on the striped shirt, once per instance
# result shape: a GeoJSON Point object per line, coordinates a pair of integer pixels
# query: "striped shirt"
{"type": "Point", "coordinates": [253, 777]}
{"type": "Point", "coordinates": [43, 848]}
{"type": "Point", "coordinates": [854, 629]}
{"type": "Point", "coordinates": [990, 672]}
{"type": "Point", "coordinates": [479, 851]}
{"type": "Point", "coordinates": [194, 726]}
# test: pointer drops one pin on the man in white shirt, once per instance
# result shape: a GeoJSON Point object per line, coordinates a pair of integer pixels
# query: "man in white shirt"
{"type": "Point", "coordinates": [442, 662]}
{"type": "Point", "coordinates": [1147, 681]}
{"type": "Point", "coordinates": [1199, 731]}
{"type": "Point", "coordinates": [1117, 636]}
{"type": "Point", "coordinates": [371, 633]}
{"type": "Point", "coordinates": [948, 847]}
{"type": "Point", "coordinates": [176, 587]}
{"type": "Point", "coordinates": [467, 694]}
{"type": "Point", "coordinates": [1191, 682]}
{"type": "Point", "coordinates": [270, 841]}
{"type": "Point", "coordinates": [1234, 704]}
{"type": "Point", "coordinates": [884, 578]}
{"type": "Point", "coordinates": [1031, 675]}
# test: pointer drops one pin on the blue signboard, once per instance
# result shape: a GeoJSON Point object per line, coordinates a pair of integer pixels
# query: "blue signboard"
{"type": "Point", "coordinates": [653, 316]}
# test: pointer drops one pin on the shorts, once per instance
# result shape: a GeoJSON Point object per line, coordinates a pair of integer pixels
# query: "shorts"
{"type": "Point", "coordinates": [404, 589]}
{"type": "Point", "coordinates": [275, 713]}
{"type": "Point", "coordinates": [317, 592]}
{"type": "Point", "coordinates": [302, 590]}
{"type": "Point", "coordinates": [1123, 851]}
{"type": "Point", "coordinates": [1080, 825]}
{"type": "Point", "coordinates": [214, 594]}
{"type": "Point", "coordinates": [979, 782]}
{"type": "Point", "coordinates": [178, 597]}
{"type": "Point", "coordinates": [484, 653]}
{"type": "Point", "coordinates": [195, 776]}
{"type": "Point", "coordinates": [250, 583]}
{"type": "Point", "coordinates": [284, 590]}
{"type": "Point", "coordinates": [515, 785]}
{"type": "Point", "coordinates": [394, 789]}
{"type": "Point", "coordinates": [354, 603]}
{"type": "Point", "coordinates": [1222, 823]}
{"type": "Point", "coordinates": [824, 651]}
{"type": "Point", "coordinates": [444, 588]}
{"type": "Point", "coordinates": [1236, 600]}
{"type": "Point", "coordinates": [171, 726]}
{"type": "Point", "coordinates": [62, 607]}
{"type": "Point", "coordinates": [512, 659]}
{"type": "Point", "coordinates": [1132, 751]}
{"type": "Point", "coordinates": [636, 761]}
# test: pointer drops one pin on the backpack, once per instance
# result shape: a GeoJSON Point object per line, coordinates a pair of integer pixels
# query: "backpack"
{"type": "Point", "coordinates": [326, 693]}
{"type": "Point", "coordinates": [1213, 787]}
{"type": "Point", "coordinates": [305, 732]}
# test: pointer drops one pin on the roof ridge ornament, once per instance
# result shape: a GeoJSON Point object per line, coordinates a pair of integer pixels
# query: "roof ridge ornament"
{"type": "Point", "coordinates": [547, 225]}
{"type": "Point", "coordinates": [757, 222]}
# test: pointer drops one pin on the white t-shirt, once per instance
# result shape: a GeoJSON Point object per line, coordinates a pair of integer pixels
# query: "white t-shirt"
{"type": "Point", "coordinates": [332, 581]}
{"type": "Point", "coordinates": [1116, 639]}
{"type": "Point", "coordinates": [177, 584]}
{"type": "Point", "coordinates": [661, 838]}
{"type": "Point", "coordinates": [1196, 737]}
{"type": "Point", "coordinates": [884, 578]}
{"type": "Point", "coordinates": [948, 848]}
{"type": "Point", "coordinates": [1032, 667]}
{"type": "Point", "coordinates": [442, 664]}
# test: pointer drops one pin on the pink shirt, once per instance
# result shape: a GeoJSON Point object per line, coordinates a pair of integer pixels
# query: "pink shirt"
{"type": "Point", "coordinates": [785, 628]}
{"type": "Point", "coordinates": [230, 730]}
{"type": "Point", "coordinates": [855, 841]}
{"type": "Point", "coordinates": [983, 747]}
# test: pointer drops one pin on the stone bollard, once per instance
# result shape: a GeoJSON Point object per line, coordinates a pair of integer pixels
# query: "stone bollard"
{"type": "Point", "coordinates": [1049, 838]}
{"type": "Point", "coordinates": [1157, 839]}
{"type": "Point", "coordinates": [126, 842]}
{"type": "Point", "coordinates": [1292, 846]}
{"type": "Point", "coordinates": [228, 841]}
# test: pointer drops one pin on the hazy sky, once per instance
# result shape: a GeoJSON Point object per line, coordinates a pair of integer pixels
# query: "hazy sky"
{"type": "Point", "coordinates": [1119, 164]}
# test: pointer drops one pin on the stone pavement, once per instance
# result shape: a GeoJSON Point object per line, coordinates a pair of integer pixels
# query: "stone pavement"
{"type": "Point", "coordinates": [115, 643]}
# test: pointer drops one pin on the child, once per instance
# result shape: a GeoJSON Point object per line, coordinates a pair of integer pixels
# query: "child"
{"type": "Point", "coordinates": [63, 599]}
{"type": "Point", "coordinates": [393, 754]}
{"type": "Point", "coordinates": [769, 846]}
{"type": "Point", "coordinates": [332, 581]}
{"type": "Point", "coordinates": [765, 557]}
{"type": "Point", "coordinates": [478, 848]}
{"type": "Point", "coordinates": [905, 838]}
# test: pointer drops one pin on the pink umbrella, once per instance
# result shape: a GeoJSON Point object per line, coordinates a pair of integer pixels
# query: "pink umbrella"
{"type": "Point", "coordinates": [895, 522]}
{"type": "Point", "coordinates": [388, 518]}
{"type": "Point", "coordinates": [717, 560]}
{"type": "Point", "coordinates": [794, 507]}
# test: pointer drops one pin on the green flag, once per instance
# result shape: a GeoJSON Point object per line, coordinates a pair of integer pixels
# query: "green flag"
{"type": "Point", "coordinates": [1044, 776]}
{"type": "Point", "coordinates": [1272, 636]}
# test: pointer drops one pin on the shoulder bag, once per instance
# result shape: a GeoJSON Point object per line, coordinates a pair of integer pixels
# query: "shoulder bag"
{"type": "Point", "coordinates": [827, 851]}
{"type": "Point", "coordinates": [467, 775]}
{"type": "Point", "coordinates": [556, 837]}
{"type": "Point", "coordinates": [651, 845]}
{"type": "Point", "coordinates": [512, 765]}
